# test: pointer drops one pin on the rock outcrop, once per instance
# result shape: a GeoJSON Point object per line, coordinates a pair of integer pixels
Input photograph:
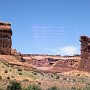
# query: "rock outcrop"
{"type": "Point", "coordinates": [85, 53]}
{"type": "Point", "coordinates": [5, 38]}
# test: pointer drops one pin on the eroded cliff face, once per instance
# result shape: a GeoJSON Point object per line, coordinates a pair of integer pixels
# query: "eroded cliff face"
{"type": "Point", "coordinates": [5, 38]}
{"type": "Point", "coordinates": [85, 53]}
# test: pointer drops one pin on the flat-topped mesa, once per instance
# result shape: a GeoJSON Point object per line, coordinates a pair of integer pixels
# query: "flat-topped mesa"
{"type": "Point", "coordinates": [85, 53]}
{"type": "Point", "coordinates": [5, 38]}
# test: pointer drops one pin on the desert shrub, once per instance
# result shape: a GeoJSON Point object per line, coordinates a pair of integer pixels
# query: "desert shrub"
{"type": "Point", "coordinates": [25, 80]}
{"type": "Point", "coordinates": [79, 89]}
{"type": "Point", "coordinates": [64, 78]}
{"type": "Point", "coordinates": [1, 89]}
{"type": "Point", "coordinates": [74, 80]}
{"type": "Point", "coordinates": [87, 88]}
{"type": "Point", "coordinates": [19, 69]}
{"type": "Point", "coordinates": [57, 77]}
{"type": "Point", "coordinates": [6, 71]}
{"type": "Point", "coordinates": [2, 66]}
{"type": "Point", "coordinates": [33, 87]}
{"type": "Point", "coordinates": [55, 74]}
{"type": "Point", "coordinates": [52, 76]}
{"type": "Point", "coordinates": [0, 77]}
{"type": "Point", "coordinates": [14, 85]}
{"type": "Point", "coordinates": [78, 74]}
{"type": "Point", "coordinates": [39, 83]}
{"type": "Point", "coordinates": [8, 77]}
{"type": "Point", "coordinates": [73, 88]}
{"type": "Point", "coordinates": [53, 88]}
{"type": "Point", "coordinates": [35, 73]}
{"type": "Point", "coordinates": [20, 73]}
{"type": "Point", "coordinates": [12, 76]}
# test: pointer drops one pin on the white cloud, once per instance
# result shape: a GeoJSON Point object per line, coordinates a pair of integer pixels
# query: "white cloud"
{"type": "Point", "coordinates": [69, 50]}
{"type": "Point", "coordinates": [66, 50]}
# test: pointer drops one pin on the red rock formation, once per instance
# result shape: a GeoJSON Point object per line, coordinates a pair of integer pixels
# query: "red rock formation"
{"type": "Point", "coordinates": [85, 53]}
{"type": "Point", "coordinates": [5, 38]}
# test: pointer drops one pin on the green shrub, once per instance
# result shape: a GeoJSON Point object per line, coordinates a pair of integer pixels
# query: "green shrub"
{"type": "Point", "coordinates": [87, 88]}
{"type": "Point", "coordinates": [1, 89]}
{"type": "Point", "coordinates": [33, 87]}
{"type": "Point", "coordinates": [53, 88]}
{"type": "Point", "coordinates": [20, 73]}
{"type": "Point", "coordinates": [14, 85]}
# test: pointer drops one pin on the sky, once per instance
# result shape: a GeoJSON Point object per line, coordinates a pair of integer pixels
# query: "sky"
{"type": "Point", "coordinates": [47, 26]}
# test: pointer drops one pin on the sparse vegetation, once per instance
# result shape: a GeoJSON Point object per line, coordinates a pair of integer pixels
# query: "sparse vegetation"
{"type": "Point", "coordinates": [53, 88]}
{"type": "Point", "coordinates": [14, 85]}
{"type": "Point", "coordinates": [63, 81]}
{"type": "Point", "coordinates": [35, 73]}
{"type": "Point", "coordinates": [33, 87]}
{"type": "Point", "coordinates": [87, 88]}
{"type": "Point", "coordinates": [1, 89]}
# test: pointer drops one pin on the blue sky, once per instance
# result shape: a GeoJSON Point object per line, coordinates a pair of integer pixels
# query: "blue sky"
{"type": "Point", "coordinates": [47, 26]}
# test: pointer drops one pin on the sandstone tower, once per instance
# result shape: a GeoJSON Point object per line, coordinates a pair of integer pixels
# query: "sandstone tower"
{"type": "Point", "coordinates": [85, 53]}
{"type": "Point", "coordinates": [5, 38]}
